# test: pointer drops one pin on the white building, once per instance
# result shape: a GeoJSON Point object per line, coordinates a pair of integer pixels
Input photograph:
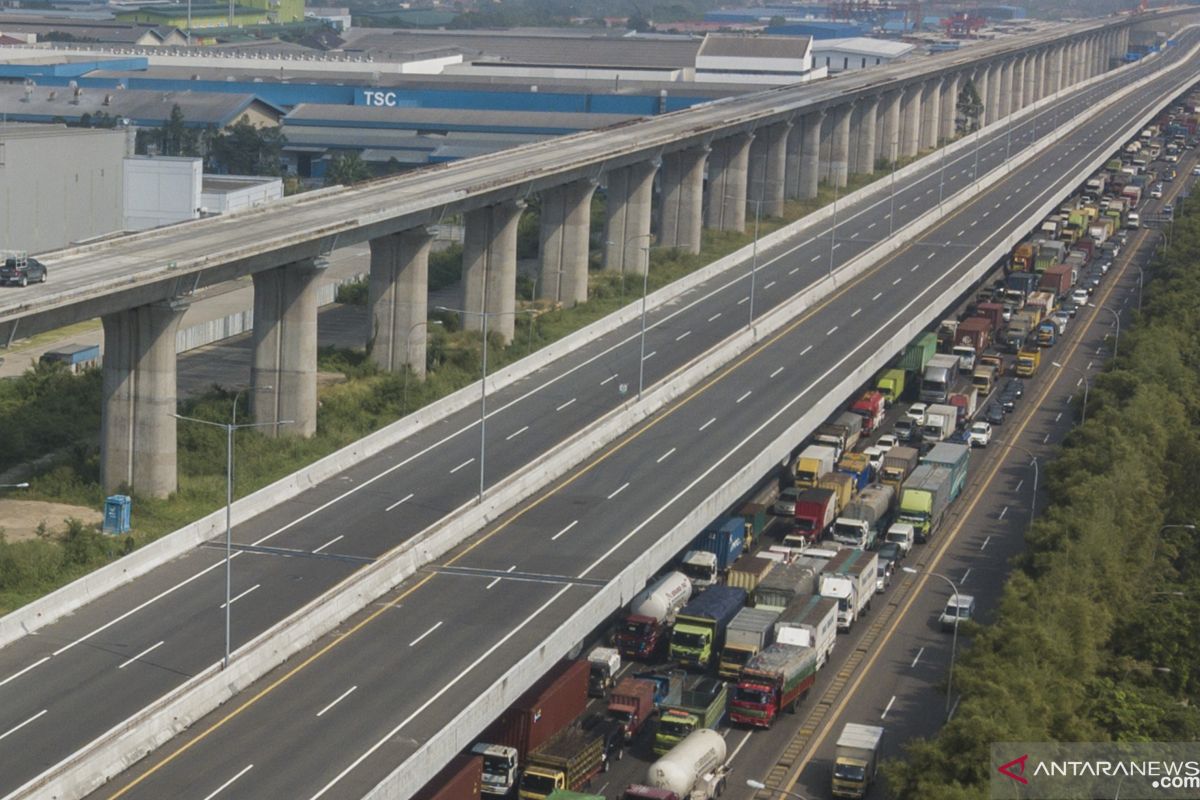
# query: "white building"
{"type": "Point", "coordinates": [165, 190]}
{"type": "Point", "coordinates": [858, 52]}
{"type": "Point", "coordinates": [771, 60]}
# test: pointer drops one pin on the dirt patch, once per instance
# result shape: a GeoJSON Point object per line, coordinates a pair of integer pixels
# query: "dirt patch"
{"type": "Point", "coordinates": [19, 519]}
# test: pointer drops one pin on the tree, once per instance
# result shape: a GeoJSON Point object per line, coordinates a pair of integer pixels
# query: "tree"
{"type": "Point", "coordinates": [777, 21]}
{"type": "Point", "coordinates": [346, 169]}
{"type": "Point", "coordinates": [175, 134]}
{"type": "Point", "coordinates": [243, 149]}
{"type": "Point", "coordinates": [637, 22]}
{"type": "Point", "coordinates": [969, 105]}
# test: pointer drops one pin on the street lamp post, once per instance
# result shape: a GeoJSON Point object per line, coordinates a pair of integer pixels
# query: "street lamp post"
{"type": "Point", "coordinates": [754, 255]}
{"type": "Point", "coordinates": [229, 428]}
{"type": "Point", "coordinates": [1117, 318]}
{"type": "Point", "coordinates": [645, 290]}
{"type": "Point", "coordinates": [1141, 278]}
{"type": "Point", "coordinates": [753, 784]}
{"type": "Point", "coordinates": [1086, 382]}
{"type": "Point", "coordinates": [22, 485]}
{"type": "Point", "coordinates": [954, 641]}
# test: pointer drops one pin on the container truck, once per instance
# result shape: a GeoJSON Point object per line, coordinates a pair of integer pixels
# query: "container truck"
{"type": "Point", "coordinates": [954, 457]}
{"type": "Point", "coordinates": [816, 509]}
{"type": "Point", "coordinates": [940, 422]}
{"type": "Point", "coordinates": [870, 406]}
{"type": "Point", "coordinates": [1018, 285]}
{"type": "Point", "coordinates": [813, 462]}
{"type": "Point", "coordinates": [701, 705]}
{"type": "Point", "coordinates": [849, 578]}
{"type": "Point", "coordinates": [841, 485]}
{"type": "Point", "coordinates": [604, 664]}
{"type": "Point", "coordinates": [841, 433]}
{"type": "Point", "coordinates": [993, 360]}
{"type": "Point", "coordinates": [810, 621]}
{"type": "Point", "coordinates": [938, 377]}
{"type": "Point", "coordinates": [1056, 280]}
{"type": "Point", "coordinates": [945, 334]}
{"type": "Point", "coordinates": [891, 385]}
{"type": "Point", "coordinates": [699, 630]}
{"type": "Point", "coordinates": [778, 678]}
{"type": "Point", "coordinates": [725, 538]}
{"type": "Point", "coordinates": [966, 402]}
{"type": "Point", "coordinates": [917, 353]}
{"type": "Point", "coordinates": [858, 467]}
{"type": "Point", "coordinates": [754, 514]}
{"type": "Point", "coordinates": [856, 760]}
{"type": "Point", "coordinates": [1043, 302]}
{"type": "Point", "coordinates": [568, 761]}
{"type": "Point", "coordinates": [748, 573]}
{"type": "Point", "coordinates": [632, 705]}
{"type": "Point", "coordinates": [974, 333]}
{"type": "Point", "coordinates": [897, 464]}
{"type": "Point", "coordinates": [866, 517]}
{"type": "Point", "coordinates": [1022, 257]}
{"type": "Point", "coordinates": [984, 379]}
{"type": "Point", "coordinates": [923, 499]}
{"type": "Point", "coordinates": [1028, 361]}
{"type": "Point", "coordinates": [651, 614]}
{"type": "Point", "coordinates": [993, 313]}
{"type": "Point", "coordinates": [542, 711]}
{"type": "Point", "coordinates": [694, 770]}
{"type": "Point", "coordinates": [701, 568]}
{"type": "Point", "coordinates": [748, 633]}
{"type": "Point", "coordinates": [787, 582]}
{"type": "Point", "coordinates": [461, 778]}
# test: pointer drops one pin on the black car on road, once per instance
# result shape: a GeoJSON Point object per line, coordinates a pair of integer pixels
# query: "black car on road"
{"type": "Point", "coordinates": [21, 271]}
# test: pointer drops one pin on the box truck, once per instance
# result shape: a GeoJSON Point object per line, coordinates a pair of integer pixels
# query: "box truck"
{"type": "Point", "coordinates": [849, 578]}
{"type": "Point", "coordinates": [866, 517]}
{"type": "Point", "coordinates": [778, 678]}
{"type": "Point", "coordinates": [953, 457]}
{"type": "Point", "coordinates": [923, 499]}
{"type": "Point", "coordinates": [747, 634]}
{"type": "Point", "coordinates": [813, 462]}
{"type": "Point", "coordinates": [810, 621]}
{"type": "Point", "coordinates": [856, 759]}
{"type": "Point", "coordinates": [699, 630]}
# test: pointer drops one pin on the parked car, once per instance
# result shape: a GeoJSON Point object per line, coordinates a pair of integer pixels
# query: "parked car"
{"type": "Point", "coordinates": [979, 434]}
{"type": "Point", "coordinates": [22, 272]}
{"type": "Point", "coordinates": [994, 414]}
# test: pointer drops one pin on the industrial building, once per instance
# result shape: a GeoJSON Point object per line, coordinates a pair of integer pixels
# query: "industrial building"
{"type": "Point", "coordinates": [859, 52]}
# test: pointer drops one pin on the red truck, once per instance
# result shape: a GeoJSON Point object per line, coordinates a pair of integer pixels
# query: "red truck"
{"type": "Point", "coordinates": [460, 779]}
{"type": "Point", "coordinates": [632, 705]}
{"type": "Point", "coordinates": [816, 509]}
{"type": "Point", "coordinates": [1056, 279]}
{"type": "Point", "coordinates": [992, 312]}
{"type": "Point", "coordinates": [775, 679]}
{"type": "Point", "coordinates": [871, 408]}
{"type": "Point", "coordinates": [975, 332]}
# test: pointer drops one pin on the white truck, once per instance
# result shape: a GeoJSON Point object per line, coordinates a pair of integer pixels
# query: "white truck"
{"type": "Point", "coordinates": [695, 768]}
{"type": "Point", "coordinates": [866, 516]}
{"type": "Point", "coordinates": [850, 579]}
{"type": "Point", "coordinates": [940, 422]}
{"type": "Point", "coordinates": [809, 622]}
{"type": "Point", "coordinates": [856, 760]}
{"type": "Point", "coordinates": [701, 567]}
{"type": "Point", "coordinates": [902, 535]}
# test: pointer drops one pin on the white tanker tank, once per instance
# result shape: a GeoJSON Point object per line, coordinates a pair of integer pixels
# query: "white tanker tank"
{"type": "Point", "coordinates": [662, 599]}
{"type": "Point", "coordinates": [695, 768]}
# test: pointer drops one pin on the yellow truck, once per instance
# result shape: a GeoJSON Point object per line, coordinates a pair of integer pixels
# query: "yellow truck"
{"type": "Point", "coordinates": [1028, 362]}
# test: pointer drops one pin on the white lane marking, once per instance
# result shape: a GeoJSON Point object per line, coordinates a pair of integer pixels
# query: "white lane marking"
{"type": "Point", "coordinates": [16, 675]}
{"type": "Point", "coordinates": [806, 349]}
{"type": "Point", "coordinates": [341, 536]}
{"type": "Point", "coordinates": [831, 330]}
{"type": "Point", "coordinates": [963, 579]}
{"type": "Point", "coordinates": [793, 271]}
{"type": "Point", "coordinates": [897, 281]}
{"type": "Point", "coordinates": [975, 222]}
{"type": "Point", "coordinates": [1089, 366]}
{"type": "Point", "coordinates": [1046, 438]}
{"type": "Point", "coordinates": [1058, 416]}
{"type": "Point", "coordinates": [710, 422]}
{"type": "Point", "coordinates": [399, 502]}
{"type": "Point", "coordinates": [918, 658]}
{"type": "Point", "coordinates": [743, 397]}
{"type": "Point", "coordinates": [564, 405]}
{"type": "Point", "coordinates": [610, 378]}
{"type": "Point", "coordinates": [620, 489]}
{"type": "Point", "coordinates": [931, 256]}
{"type": "Point", "coordinates": [147, 651]}
{"type": "Point", "coordinates": [776, 372]}
{"type": "Point", "coordinates": [855, 313]}
{"type": "Point", "coordinates": [417, 640]}
{"type": "Point", "coordinates": [1003, 511]}
{"type": "Point", "coordinates": [665, 456]}
{"type": "Point", "coordinates": [517, 433]}
{"type": "Point", "coordinates": [460, 466]}
{"type": "Point", "coordinates": [739, 747]}
{"type": "Point", "coordinates": [650, 355]}
{"type": "Point", "coordinates": [836, 246]}
{"type": "Point", "coordinates": [240, 596]}
{"type": "Point", "coordinates": [683, 336]}
{"type": "Point", "coordinates": [22, 725]}
{"type": "Point", "coordinates": [872, 225]}
{"type": "Point", "coordinates": [877, 296]}
{"type": "Point", "coordinates": [497, 580]}
{"type": "Point", "coordinates": [985, 542]}
{"type": "Point", "coordinates": [953, 708]}
{"type": "Point", "coordinates": [853, 235]}
{"type": "Point", "coordinates": [573, 523]}
{"type": "Point", "coordinates": [339, 699]}
{"type": "Point", "coordinates": [998, 205]}
{"type": "Point", "coordinates": [714, 316]}
{"type": "Point", "coordinates": [815, 259]}
{"type": "Point", "coordinates": [960, 233]}
{"type": "Point", "coordinates": [769, 285]}
{"type": "Point", "coordinates": [903, 206]}
{"type": "Point", "coordinates": [229, 782]}
{"type": "Point", "coordinates": [743, 300]}
{"type": "Point", "coordinates": [889, 707]}
{"type": "Point", "coordinates": [1020, 483]}
{"type": "Point", "coordinates": [887, 216]}
{"type": "Point", "coordinates": [915, 267]}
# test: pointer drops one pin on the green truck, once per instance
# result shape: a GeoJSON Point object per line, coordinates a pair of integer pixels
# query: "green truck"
{"type": "Point", "coordinates": [701, 705]}
{"type": "Point", "coordinates": [917, 354]}
{"type": "Point", "coordinates": [924, 497]}
{"type": "Point", "coordinates": [891, 384]}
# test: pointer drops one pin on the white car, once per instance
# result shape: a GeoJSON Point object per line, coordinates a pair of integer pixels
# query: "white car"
{"type": "Point", "coordinates": [1080, 297]}
{"type": "Point", "coordinates": [916, 412]}
{"type": "Point", "coordinates": [875, 458]}
{"type": "Point", "coordinates": [887, 442]}
{"type": "Point", "coordinates": [1196, 170]}
{"type": "Point", "coordinates": [1156, 192]}
{"type": "Point", "coordinates": [980, 434]}
{"type": "Point", "coordinates": [1061, 318]}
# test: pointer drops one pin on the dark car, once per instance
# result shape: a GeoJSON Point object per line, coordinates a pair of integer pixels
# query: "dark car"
{"type": "Point", "coordinates": [614, 737]}
{"type": "Point", "coordinates": [1008, 402]}
{"type": "Point", "coordinates": [994, 414]}
{"type": "Point", "coordinates": [1014, 386]}
{"type": "Point", "coordinates": [890, 551]}
{"type": "Point", "coordinates": [22, 271]}
{"type": "Point", "coordinates": [1070, 308]}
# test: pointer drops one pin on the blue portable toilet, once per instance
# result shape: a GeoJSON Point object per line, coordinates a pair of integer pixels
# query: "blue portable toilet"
{"type": "Point", "coordinates": [117, 513]}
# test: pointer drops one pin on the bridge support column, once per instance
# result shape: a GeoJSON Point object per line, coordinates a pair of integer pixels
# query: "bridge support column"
{"type": "Point", "coordinates": [1017, 101]}
{"type": "Point", "coordinates": [563, 242]}
{"type": "Point", "coordinates": [1056, 74]}
{"type": "Point", "coordinates": [949, 107]}
{"type": "Point", "coordinates": [398, 299]}
{"type": "Point", "coordinates": [795, 155]}
{"type": "Point", "coordinates": [284, 373]}
{"type": "Point", "coordinates": [1029, 94]}
{"type": "Point", "coordinates": [683, 199]}
{"type": "Point", "coordinates": [865, 148]}
{"type": "Point", "coordinates": [980, 80]}
{"type": "Point", "coordinates": [489, 265]}
{"type": "Point", "coordinates": [727, 183]}
{"type": "Point", "coordinates": [931, 112]}
{"type": "Point", "coordinates": [1006, 84]}
{"type": "Point", "coordinates": [630, 192]}
{"type": "Point", "coordinates": [995, 79]}
{"type": "Point", "coordinates": [839, 144]}
{"type": "Point", "coordinates": [827, 148]}
{"type": "Point", "coordinates": [810, 155]}
{"type": "Point", "coordinates": [910, 136]}
{"type": "Point", "coordinates": [768, 160]}
{"type": "Point", "coordinates": [137, 431]}
{"type": "Point", "coordinates": [889, 145]}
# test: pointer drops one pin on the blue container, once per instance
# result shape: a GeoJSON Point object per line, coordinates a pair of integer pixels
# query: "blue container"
{"type": "Point", "coordinates": [117, 513]}
{"type": "Point", "coordinates": [725, 539]}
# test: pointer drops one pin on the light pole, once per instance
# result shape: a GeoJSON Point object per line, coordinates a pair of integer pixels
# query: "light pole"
{"type": "Point", "coordinates": [408, 367]}
{"type": "Point", "coordinates": [645, 290]}
{"type": "Point", "coordinates": [833, 229]}
{"type": "Point", "coordinates": [1117, 318]}
{"type": "Point", "coordinates": [1033, 461]}
{"type": "Point", "coordinates": [483, 383]}
{"type": "Point", "coordinates": [753, 784]}
{"type": "Point", "coordinates": [1086, 382]}
{"type": "Point", "coordinates": [229, 429]}
{"type": "Point", "coordinates": [754, 255]}
{"type": "Point", "coordinates": [22, 485]}
{"type": "Point", "coordinates": [954, 641]}
{"type": "Point", "coordinates": [627, 241]}
{"type": "Point", "coordinates": [1141, 277]}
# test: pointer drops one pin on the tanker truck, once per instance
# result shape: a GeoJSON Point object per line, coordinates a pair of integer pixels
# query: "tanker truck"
{"type": "Point", "coordinates": [694, 770]}
{"type": "Point", "coordinates": [651, 615]}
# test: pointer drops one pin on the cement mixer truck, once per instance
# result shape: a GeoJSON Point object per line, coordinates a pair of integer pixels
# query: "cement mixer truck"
{"type": "Point", "coordinates": [651, 615]}
{"type": "Point", "coordinates": [694, 770]}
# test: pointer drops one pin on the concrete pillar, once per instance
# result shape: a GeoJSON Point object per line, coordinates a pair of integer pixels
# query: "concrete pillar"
{"type": "Point", "coordinates": [865, 145]}
{"type": "Point", "coordinates": [839, 141]}
{"type": "Point", "coordinates": [1056, 75]}
{"type": "Point", "coordinates": [810, 154]}
{"type": "Point", "coordinates": [566, 221]}
{"type": "Point", "coordinates": [284, 372]}
{"type": "Point", "coordinates": [727, 182]}
{"type": "Point", "coordinates": [1072, 66]}
{"type": "Point", "coordinates": [1006, 85]}
{"type": "Point", "coordinates": [683, 199]}
{"type": "Point", "coordinates": [768, 159]}
{"type": "Point", "coordinates": [949, 106]}
{"type": "Point", "coordinates": [795, 155]}
{"type": "Point", "coordinates": [398, 299]}
{"type": "Point", "coordinates": [910, 134]}
{"type": "Point", "coordinates": [1018, 85]}
{"type": "Point", "coordinates": [490, 267]}
{"type": "Point", "coordinates": [995, 79]}
{"type": "Point", "coordinates": [890, 146]}
{"type": "Point", "coordinates": [1029, 84]}
{"type": "Point", "coordinates": [931, 112]}
{"type": "Point", "coordinates": [137, 431]}
{"type": "Point", "coordinates": [827, 148]}
{"type": "Point", "coordinates": [630, 194]}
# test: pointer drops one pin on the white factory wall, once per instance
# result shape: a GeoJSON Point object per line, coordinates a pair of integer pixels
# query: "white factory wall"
{"type": "Point", "coordinates": [161, 191]}
{"type": "Point", "coordinates": [256, 192]}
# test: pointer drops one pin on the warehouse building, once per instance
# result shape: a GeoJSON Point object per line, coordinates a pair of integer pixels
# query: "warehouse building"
{"type": "Point", "coordinates": [859, 52]}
